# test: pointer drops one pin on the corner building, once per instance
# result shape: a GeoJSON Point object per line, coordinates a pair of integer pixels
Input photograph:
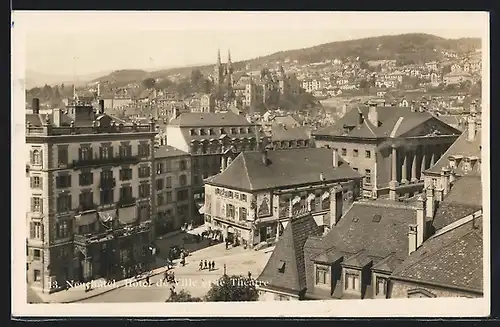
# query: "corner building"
{"type": "Point", "coordinates": [89, 212]}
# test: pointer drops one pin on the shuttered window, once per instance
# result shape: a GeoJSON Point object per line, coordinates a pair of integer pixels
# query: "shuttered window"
{"type": "Point", "coordinates": [36, 182]}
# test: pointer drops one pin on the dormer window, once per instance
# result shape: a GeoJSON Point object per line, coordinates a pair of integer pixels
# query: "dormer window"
{"type": "Point", "coordinates": [234, 131]}
{"type": "Point", "coordinates": [352, 282]}
{"type": "Point", "coordinates": [222, 131]}
{"type": "Point", "coordinates": [242, 130]}
{"type": "Point", "coordinates": [281, 267]}
{"type": "Point", "coordinates": [322, 275]}
{"type": "Point", "coordinates": [211, 131]}
{"type": "Point", "coordinates": [380, 286]}
{"type": "Point", "coordinates": [202, 131]}
{"type": "Point", "coordinates": [467, 166]}
{"type": "Point", "coordinates": [192, 132]}
{"type": "Point", "coordinates": [453, 163]}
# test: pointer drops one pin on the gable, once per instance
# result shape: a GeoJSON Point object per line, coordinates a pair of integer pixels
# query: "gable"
{"type": "Point", "coordinates": [420, 293]}
{"type": "Point", "coordinates": [431, 127]}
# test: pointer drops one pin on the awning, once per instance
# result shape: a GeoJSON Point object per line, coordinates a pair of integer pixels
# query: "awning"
{"type": "Point", "coordinates": [199, 204]}
{"type": "Point", "coordinates": [127, 215]}
{"type": "Point", "coordinates": [107, 216]}
{"type": "Point", "coordinates": [86, 219]}
{"type": "Point", "coordinates": [202, 210]}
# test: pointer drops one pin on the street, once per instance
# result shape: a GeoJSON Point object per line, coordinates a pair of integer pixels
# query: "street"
{"type": "Point", "coordinates": [238, 261]}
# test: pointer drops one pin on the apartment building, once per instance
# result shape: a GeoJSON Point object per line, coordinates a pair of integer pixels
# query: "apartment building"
{"type": "Point", "coordinates": [89, 181]}
{"type": "Point", "coordinates": [172, 190]}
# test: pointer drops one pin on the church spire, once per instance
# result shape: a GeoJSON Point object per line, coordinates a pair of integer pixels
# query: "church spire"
{"type": "Point", "coordinates": [218, 57]}
{"type": "Point", "coordinates": [229, 56]}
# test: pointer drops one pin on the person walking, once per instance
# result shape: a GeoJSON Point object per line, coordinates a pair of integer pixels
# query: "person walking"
{"type": "Point", "coordinates": [249, 275]}
{"type": "Point", "coordinates": [147, 279]}
{"type": "Point", "coordinates": [201, 265]}
{"type": "Point", "coordinates": [205, 264]}
{"type": "Point", "coordinates": [165, 276]}
{"type": "Point", "coordinates": [213, 265]}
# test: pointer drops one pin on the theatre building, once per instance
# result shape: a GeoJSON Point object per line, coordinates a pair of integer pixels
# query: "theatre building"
{"type": "Point", "coordinates": [255, 195]}
{"type": "Point", "coordinates": [391, 146]}
{"type": "Point", "coordinates": [89, 185]}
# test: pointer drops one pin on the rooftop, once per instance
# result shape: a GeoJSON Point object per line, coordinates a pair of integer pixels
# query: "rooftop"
{"type": "Point", "coordinates": [279, 133]}
{"type": "Point", "coordinates": [167, 151]}
{"type": "Point", "coordinates": [197, 119]}
{"type": "Point", "coordinates": [283, 168]}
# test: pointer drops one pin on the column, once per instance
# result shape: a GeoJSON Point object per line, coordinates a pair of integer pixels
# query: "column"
{"type": "Point", "coordinates": [423, 165]}
{"type": "Point", "coordinates": [404, 169]}
{"type": "Point", "coordinates": [414, 167]}
{"type": "Point", "coordinates": [394, 167]}
{"type": "Point", "coordinates": [433, 156]}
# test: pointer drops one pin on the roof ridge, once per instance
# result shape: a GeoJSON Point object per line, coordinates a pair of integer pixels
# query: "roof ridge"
{"type": "Point", "coordinates": [396, 126]}
{"type": "Point", "coordinates": [472, 231]}
{"type": "Point", "coordinates": [456, 224]}
{"type": "Point", "coordinates": [246, 170]}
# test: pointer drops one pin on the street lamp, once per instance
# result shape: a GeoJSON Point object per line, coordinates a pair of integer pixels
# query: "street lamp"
{"type": "Point", "coordinates": [224, 269]}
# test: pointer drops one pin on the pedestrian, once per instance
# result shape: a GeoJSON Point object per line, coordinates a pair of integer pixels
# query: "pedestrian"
{"type": "Point", "coordinates": [183, 262]}
{"type": "Point", "coordinates": [227, 244]}
{"type": "Point", "coordinates": [249, 275]}
{"type": "Point", "coordinates": [213, 265]}
{"type": "Point", "coordinates": [205, 264]}
{"type": "Point", "coordinates": [201, 265]}
{"type": "Point", "coordinates": [147, 279]}
{"type": "Point", "coordinates": [165, 276]}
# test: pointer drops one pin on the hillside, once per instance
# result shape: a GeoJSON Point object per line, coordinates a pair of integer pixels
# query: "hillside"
{"type": "Point", "coordinates": [406, 48]}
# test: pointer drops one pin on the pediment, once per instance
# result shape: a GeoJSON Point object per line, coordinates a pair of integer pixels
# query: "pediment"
{"type": "Point", "coordinates": [420, 293]}
{"type": "Point", "coordinates": [431, 127]}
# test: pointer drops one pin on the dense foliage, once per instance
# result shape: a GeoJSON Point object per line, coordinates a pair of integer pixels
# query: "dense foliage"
{"type": "Point", "coordinates": [183, 296]}
{"type": "Point", "coordinates": [233, 288]}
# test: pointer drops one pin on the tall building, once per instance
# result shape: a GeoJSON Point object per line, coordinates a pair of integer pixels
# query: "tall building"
{"type": "Point", "coordinates": [90, 180]}
{"type": "Point", "coordinates": [392, 146]}
{"type": "Point", "coordinates": [207, 137]}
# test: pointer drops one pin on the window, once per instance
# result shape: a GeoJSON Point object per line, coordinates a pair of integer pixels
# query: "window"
{"type": "Point", "coordinates": [37, 254]}
{"type": "Point", "coordinates": [355, 152]}
{"type": "Point", "coordinates": [381, 286]}
{"type": "Point", "coordinates": [354, 168]}
{"type": "Point", "coordinates": [63, 229]}
{"type": "Point", "coordinates": [196, 179]}
{"type": "Point", "coordinates": [159, 168]}
{"type": "Point", "coordinates": [36, 182]}
{"type": "Point", "coordinates": [86, 200]}
{"type": "Point", "coordinates": [230, 194]}
{"type": "Point", "coordinates": [351, 282]}
{"type": "Point", "coordinates": [222, 131]}
{"type": "Point", "coordinates": [182, 165]}
{"type": "Point", "coordinates": [85, 153]}
{"type": "Point", "coordinates": [168, 182]}
{"type": "Point", "coordinates": [243, 197]}
{"type": "Point", "coordinates": [211, 131]}
{"type": "Point", "coordinates": [125, 174]}
{"type": "Point", "coordinates": [344, 151]}
{"type": "Point", "coordinates": [36, 157]}
{"type": "Point", "coordinates": [37, 276]}
{"type": "Point", "coordinates": [368, 178]}
{"type": "Point", "coordinates": [169, 197]}
{"type": "Point", "coordinates": [243, 213]}
{"type": "Point", "coordinates": [106, 152]}
{"type": "Point", "coordinates": [144, 191]}
{"type": "Point", "coordinates": [125, 150]}
{"type": "Point", "coordinates": [143, 150]}
{"type": "Point", "coordinates": [322, 275]}
{"type": "Point", "coordinates": [182, 195]}
{"type": "Point", "coordinates": [144, 172]}
{"type": "Point", "coordinates": [195, 163]}
{"type": "Point", "coordinates": [230, 211]}
{"type": "Point", "coordinates": [167, 166]}
{"type": "Point", "coordinates": [107, 196]}
{"type": "Point", "coordinates": [36, 230]}
{"type": "Point", "coordinates": [192, 132]}
{"type": "Point", "coordinates": [86, 178]}
{"type": "Point", "coordinates": [202, 131]}
{"type": "Point", "coordinates": [62, 155]}
{"type": "Point", "coordinates": [126, 192]}
{"type": "Point", "coordinates": [63, 181]}
{"type": "Point", "coordinates": [182, 180]}
{"type": "Point", "coordinates": [434, 182]}
{"type": "Point", "coordinates": [368, 154]}
{"type": "Point", "coordinates": [63, 202]}
{"type": "Point", "coordinates": [159, 184]}
{"type": "Point", "coordinates": [160, 199]}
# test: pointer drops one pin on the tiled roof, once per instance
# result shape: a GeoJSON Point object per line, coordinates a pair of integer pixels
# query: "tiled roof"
{"type": "Point", "coordinates": [393, 122]}
{"type": "Point", "coordinates": [453, 258]}
{"type": "Point", "coordinates": [463, 147]}
{"type": "Point", "coordinates": [196, 119]}
{"type": "Point", "coordinates": [37, 120]}
{"type": "Point", "coordinates": [388, 264]}
{"type": "Point", "coordinates": [289, 254]}
{"type": "Point", "coordinates": [287, 120]}
{"type": "Point", "coordinates": [279, 133]}
{"type": "Point", "coordinates": [166, 151]}
{"type": "Point", "coordinates": [284, 168]}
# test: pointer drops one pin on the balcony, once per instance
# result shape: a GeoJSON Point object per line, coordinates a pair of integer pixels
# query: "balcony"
{"type": "Point", "coordinates": [107, 183]}
{"type": "Point", "coordinates": [87, 239]}
{"type": "Point", "coordinates": [126, 202]}
{"type": "Point", "coordinates": [85, 208]}
{"type": "Point", "coordinates": [113, 161]}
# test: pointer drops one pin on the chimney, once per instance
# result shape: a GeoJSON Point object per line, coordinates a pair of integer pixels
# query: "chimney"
{"type": "Point", "coordinates": [421, 221]}
{"type": "Point", "coordinates": [445, 180]}
{"type": "Point", "coordinates": [335, 158]}
{"type": "Point", "coordinates": [36, 106]}
{"type": "Point", "coordinates": [473, 108]}
{"type": "Point", "coordinates": [413, 107]}
{"type": "Point", "coordinates": [373, 114]}
{"type": "Point", "coordinates": [101, 106]}
{"type": "Point", "coordinates": [264, 157]}
{"type": "Point", "coordinates": [344, 110]}
{"type": "Point", "coordinates": [222, 164]}
{"type": "Point", "coordinates": [360, 118]}
{"type": "Point", "coordinates": [56, 112]}
{"type": "Point", "coordinates": [335, 204]}
{"type": "Point", "coordinates": [471, 128]}
{"type": "Point", "coordinates": [412, 238]}
{"type": "Point", "coordinates": [321, 176]}
{"type": "Point", "coordinates": [429, 205]}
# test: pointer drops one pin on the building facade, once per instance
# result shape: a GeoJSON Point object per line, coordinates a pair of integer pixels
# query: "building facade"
{"type": "Point", "coordinates": [390, 146]}
{"type": "Point", "coordinates": [253, 198]}
{"type": "Point", "coordinates": [172, 190]}
{"type": "Point", "coordinates": [207, 137]}
{"type": "Point", "coordinates": [90, 180]}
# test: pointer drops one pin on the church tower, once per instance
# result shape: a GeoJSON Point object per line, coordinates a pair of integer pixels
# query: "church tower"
{"type": "Point", "coordinates": [218, 75]}
{"type": "Point", "coordinates": [230, 70]}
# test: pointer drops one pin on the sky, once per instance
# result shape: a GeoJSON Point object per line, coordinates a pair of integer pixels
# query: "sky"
{"type": "Point", "coordinates": [80, 43]}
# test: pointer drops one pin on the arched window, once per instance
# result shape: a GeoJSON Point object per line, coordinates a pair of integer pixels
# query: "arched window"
{"type": "Point", "coordinates": [182, 180]}
{"type": "Point", "coordinates": [37, 157]}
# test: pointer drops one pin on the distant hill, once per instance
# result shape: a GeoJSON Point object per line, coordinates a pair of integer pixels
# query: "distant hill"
{"type": "Point", "coordinates": [36, 79]}
{"type": "Point", "coordinates": [407, 48]}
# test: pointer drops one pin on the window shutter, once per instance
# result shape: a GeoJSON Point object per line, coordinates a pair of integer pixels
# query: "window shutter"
{"type": "Point", "coordinates": [41, 205]}
{"type": "Point", "coordinates": [41, 182]}
{"type": "Point", "coordinates": [31, 182]}
{"type": "Point", "coordinates": [120, 151]}
{"type": "Point", "coordinates": [100, 152]}
{"type": "Point", "coordinates": [31, 157]}
{"type": "Point", "coordinates": [91, 178]}
{"type": "Point", "coordinates": [69, 180]}
{"type": "Point", "coordinates": [41, 158]}
{"type": "Point", "coordinates": [129, 148]}
{"type": "Point", "coordinates": [32, 230]}
{"type": "Point", "coordinates": [110, 152]}
{"type": "Point", "coordinates": [80, 153]}
{"type": "Point", "coordinates": [41, 236]}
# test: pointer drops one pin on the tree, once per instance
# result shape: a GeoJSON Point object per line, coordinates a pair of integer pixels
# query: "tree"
{"type": "Point", "coordinates": [149, 83]}
{"type": "Point", "coordinates": [233, 289]}
{"type": "Point", "coordinates": [183, 296]}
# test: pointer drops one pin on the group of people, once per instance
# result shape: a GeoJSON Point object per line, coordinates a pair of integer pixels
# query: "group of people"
{"type": "Point", "coordinates": [207, 265]}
